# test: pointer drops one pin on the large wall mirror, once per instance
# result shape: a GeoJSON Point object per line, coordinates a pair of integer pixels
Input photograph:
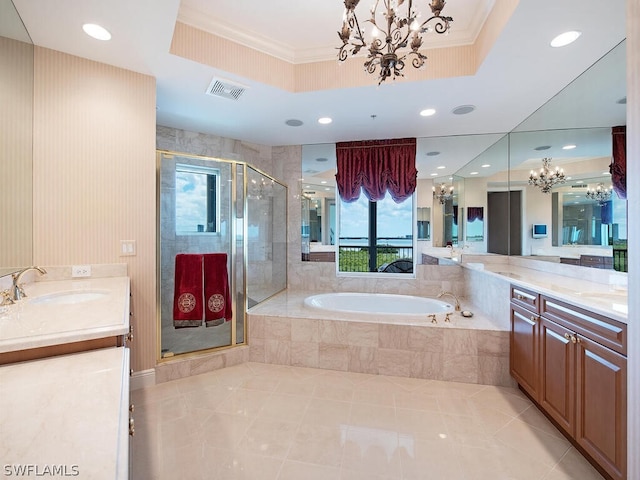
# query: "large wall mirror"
{"type": "Point", "coordinates": [16, 128]}
{"type": "Point", "coordinates": [491, 207]}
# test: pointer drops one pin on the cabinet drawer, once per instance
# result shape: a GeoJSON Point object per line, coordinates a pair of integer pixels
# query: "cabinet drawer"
{"type": "Point", "coordinates": [601, 329]}
{"type": "Point", "coordinates": [525, 298]}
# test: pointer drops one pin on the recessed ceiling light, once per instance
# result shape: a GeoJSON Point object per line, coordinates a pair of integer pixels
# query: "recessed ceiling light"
{"type": "Point", "coordinates": [473, 173]}
{"type": "Point", "coordinates": [463, 109]}
{"type": "Point", "coordinates": [434, 174]}
{"type": "Point", "coordinates": [325, 120]}
{"type": "Point", "coordinates": [569, 147]}
{"type": "Point", "coordinates": [307, 186]}
{"type": "Point", "coordinates": [293, 122]}
{"type": "Point", "coordinates": [569, 178]}
{"type": "Point", "coordinates": [606, 173]}
{"type": "Point", "coordinates": [96, 31]}
{"type": "Point", "coordinates": [428, 112]}
{"type": "Point", "coordinates": [565, 39]}
{"type": "Point", "coordinates": [486, 165]}
{"type": "Point", "coordinates": [328, 188]}
{"type": "Point", "coordinates": [542, 147]}
{"type": "Point", "coordinates": [323, 181]}
{"type": "Point", "coordinates": [441, 167]}
{"type": "Point", "coordinates": [433, 154]}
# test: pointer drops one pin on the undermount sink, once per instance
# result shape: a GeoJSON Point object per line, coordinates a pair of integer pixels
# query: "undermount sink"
{"type": "Point", "coordinates": [68, 298]}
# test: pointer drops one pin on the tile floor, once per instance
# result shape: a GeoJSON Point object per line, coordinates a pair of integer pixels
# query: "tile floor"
{"type": "Point", "coordinates": [268, 422]}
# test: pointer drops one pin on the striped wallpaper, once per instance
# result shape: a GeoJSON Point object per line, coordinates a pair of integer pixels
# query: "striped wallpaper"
{"type": "Point", "coordinates": [16, 101]}
{"type": "Point", "coordinates": [94, 176]}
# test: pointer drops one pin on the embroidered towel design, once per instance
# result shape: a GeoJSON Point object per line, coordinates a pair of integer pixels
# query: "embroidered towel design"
{"type": "Point", "coordinates": [187, 297]}
{"type": "Point", "coordinates": [216, 289]}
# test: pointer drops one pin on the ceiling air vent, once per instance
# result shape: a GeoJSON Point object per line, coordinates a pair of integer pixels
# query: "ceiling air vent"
{"type": "Point", "coordinates": [579, 185]}
{"type": "Point", "coordinates": [225, 89]}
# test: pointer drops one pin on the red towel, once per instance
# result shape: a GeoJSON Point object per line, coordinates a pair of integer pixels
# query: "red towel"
{"type": "Point", "coordinates": [216, 289]}
{"type": "Point", "coordinates": [187, 297]}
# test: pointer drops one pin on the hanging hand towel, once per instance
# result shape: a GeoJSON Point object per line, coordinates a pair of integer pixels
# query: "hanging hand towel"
{"type": "Point", "coordinates": [216, 289]}
{"type": "Point", "coordinates": [187, 297]}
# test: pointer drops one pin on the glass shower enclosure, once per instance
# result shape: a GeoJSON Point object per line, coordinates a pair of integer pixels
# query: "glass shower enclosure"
{"type": "Point", "coordinates": [225, 208]}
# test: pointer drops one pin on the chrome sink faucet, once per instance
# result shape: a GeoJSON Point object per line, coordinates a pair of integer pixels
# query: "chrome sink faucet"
{"type": "Point", "coordinates": [457, 302]}
{"type": "Point", "coordinates": [17, 288]}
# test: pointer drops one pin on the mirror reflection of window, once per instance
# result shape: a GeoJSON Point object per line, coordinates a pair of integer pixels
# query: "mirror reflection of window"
{"type": "Point", "coordinates": [424, 223]}
{"type": "Point", "coordinates": [475, 224]}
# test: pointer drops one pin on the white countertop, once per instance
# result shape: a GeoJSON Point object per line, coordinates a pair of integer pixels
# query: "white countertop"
{"type": "Point", "coordinates": [608, 299]}
{"type": "Point", "coordinates": [30, 325]}
{"type": "Point", "coordinates": [67, 412]}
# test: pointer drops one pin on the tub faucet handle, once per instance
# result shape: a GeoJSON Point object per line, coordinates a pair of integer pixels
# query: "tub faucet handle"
{"type": "Point", "coordinates": [447, 318]}
{"type": "Point", "coordinates": [433, 318]}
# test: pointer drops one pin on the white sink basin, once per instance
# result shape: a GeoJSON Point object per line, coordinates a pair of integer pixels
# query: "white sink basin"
{"type": "Point", "coordinates": [68, 298]}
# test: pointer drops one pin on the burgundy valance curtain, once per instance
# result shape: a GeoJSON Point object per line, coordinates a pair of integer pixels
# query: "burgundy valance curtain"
{"type": "Point", "coordinates": [618, 167]}
{"type": "Point", "coordinates": [475, 213]}
{"type": "Point", "coordinates": [375, 167]}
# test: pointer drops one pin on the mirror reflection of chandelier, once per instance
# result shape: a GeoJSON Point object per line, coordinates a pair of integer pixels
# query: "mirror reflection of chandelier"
{"type": "Point", "coordinates": [443, 193]}
{"type": "Point", "coordinates": [546, 178]}
{"type": "Point", "coordinates": [600, 194]}
{"type": "Point", "coordinates": [391, 33]}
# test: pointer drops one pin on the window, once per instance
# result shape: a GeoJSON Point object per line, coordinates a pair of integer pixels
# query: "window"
{"type": "Point", "coordinates": [197, 205]}
{"type": "Point", "coordinates": [376, 236]}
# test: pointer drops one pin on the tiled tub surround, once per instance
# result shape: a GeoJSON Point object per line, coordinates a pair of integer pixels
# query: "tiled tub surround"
{"type": "Point", "coordinates": [473, 350]}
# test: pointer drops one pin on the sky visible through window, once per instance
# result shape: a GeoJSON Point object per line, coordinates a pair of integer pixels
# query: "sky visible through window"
{"type": "Point", "coordinates": [191, 201]}
{"type": "Point", "coordinates": [394, 220]}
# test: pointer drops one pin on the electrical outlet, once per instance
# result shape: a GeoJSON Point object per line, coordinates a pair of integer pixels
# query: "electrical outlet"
{"type": "Point", "coordinates": [80, 271]}
{"type": "Point", "coordinates": [127, 248]}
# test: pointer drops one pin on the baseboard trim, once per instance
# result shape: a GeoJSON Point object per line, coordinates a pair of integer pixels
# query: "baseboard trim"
{"type": "Point", "coordinates": [142, 379]}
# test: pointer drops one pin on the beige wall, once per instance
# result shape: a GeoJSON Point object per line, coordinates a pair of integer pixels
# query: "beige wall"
{"type": "Point", "coordinates": [16, 79]}
{"type": "Point", "coordinates": [94, 176]}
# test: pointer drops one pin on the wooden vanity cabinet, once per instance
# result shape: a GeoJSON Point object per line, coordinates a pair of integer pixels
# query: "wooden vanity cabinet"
{"type": "Point", "coordinates": [524, 350]}
{"type": "Point", "coordinates": [576, 372]}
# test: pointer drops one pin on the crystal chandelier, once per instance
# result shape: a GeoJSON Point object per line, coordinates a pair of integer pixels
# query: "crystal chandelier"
{"type": "Point", "coordinates": [600, 194]}
{"type": "Point", "coordinates": [395, 31]}
{"type": "Point", "coordinates": [442, 193]}
{"type": "Point", "coordinates": [546, 178]}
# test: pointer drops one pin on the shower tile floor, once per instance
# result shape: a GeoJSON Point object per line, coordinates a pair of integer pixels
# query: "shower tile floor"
{"type": "Point", "coordinates": [268, 422]}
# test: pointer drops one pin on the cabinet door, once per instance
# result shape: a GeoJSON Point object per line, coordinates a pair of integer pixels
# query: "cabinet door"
{"type": "Point", "coordinates": [523, 355]}
{"type": "Point", "coordinates": [601, 407]}
{"type": "Point", "coordinates": [557, 373]}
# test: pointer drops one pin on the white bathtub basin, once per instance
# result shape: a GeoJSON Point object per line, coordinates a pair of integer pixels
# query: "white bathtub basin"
{"type": "Point", "coordinates": [377, 303]}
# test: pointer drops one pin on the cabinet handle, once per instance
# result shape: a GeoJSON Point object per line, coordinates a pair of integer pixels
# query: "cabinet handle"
{"type": "Point", "coordinates": [571, 337]}
{"type": "Point", "coordinates": [534, 319]}
{"type": "Point", "coordinates": [129, 337]}
{"type": "Point", "coordinates": [520, 297]}
{"type": "Point", "coordinates": [131, 408]}
{"type": "Point", "coordinates": [132, 427]}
